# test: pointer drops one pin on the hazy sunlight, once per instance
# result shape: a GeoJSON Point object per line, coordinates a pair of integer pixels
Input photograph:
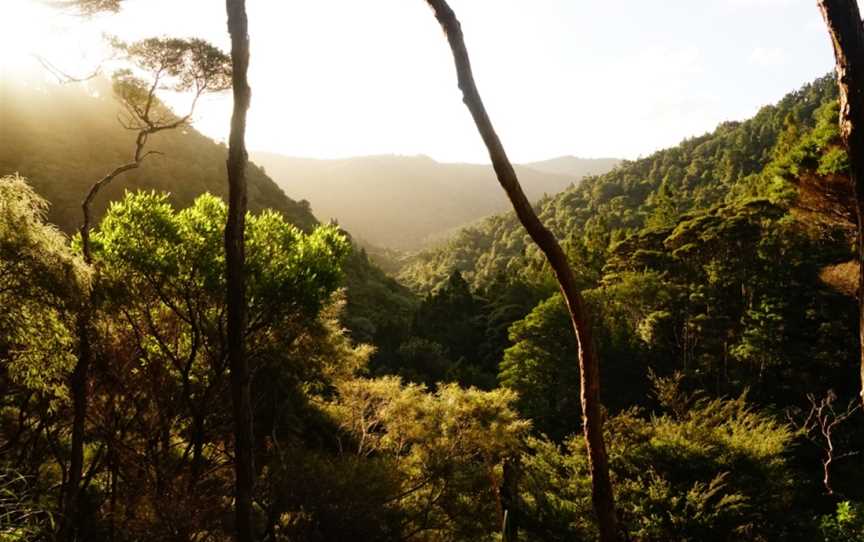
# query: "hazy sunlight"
{"type": "Point", "coordinates": [24, 32]}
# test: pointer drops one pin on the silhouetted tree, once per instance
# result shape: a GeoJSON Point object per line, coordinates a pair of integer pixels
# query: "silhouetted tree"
{"type": "Point", "coordinates": [235, 259]}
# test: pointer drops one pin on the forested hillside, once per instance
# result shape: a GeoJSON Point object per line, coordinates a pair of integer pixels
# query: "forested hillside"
{"type": "Point", "coordinates": [406, 202]}
{"type": "Point", "coordinates": [653, 191]}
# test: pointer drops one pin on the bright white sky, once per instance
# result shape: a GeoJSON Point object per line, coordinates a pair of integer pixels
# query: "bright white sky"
{"type": "Point", "coordinates": [338, 78]}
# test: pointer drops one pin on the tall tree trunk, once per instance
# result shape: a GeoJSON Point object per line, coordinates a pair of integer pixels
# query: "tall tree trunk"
{"type": "Point", "coordinates": [78, 386]}
{"type": "Point", "coordinates": [847, 35]}
{"type": "Point", "coordinates": [235, 258]}
{"type": "Point", "coordinates": [592, 415]}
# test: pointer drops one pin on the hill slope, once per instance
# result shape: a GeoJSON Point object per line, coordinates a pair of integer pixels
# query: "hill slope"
{"type": "Point", "coordinates": [654, 191]}
{"type": "Point", "coordinates": [405, 202]}
{"type": "Point", "coordinates": [63, 140]}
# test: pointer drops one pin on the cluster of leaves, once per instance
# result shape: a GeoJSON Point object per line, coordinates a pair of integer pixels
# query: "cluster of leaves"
{"type": "Point", "coordinates": [712, 470]}
{"type": "Point", "coordinates": [846, 525]}
{"type": "Point", "coordinates": [159, 399]}
{"type": "Point", "coordinates": [40, 281]}
{"type": "Point", "coordinates": [733, 297]}
{"type": "Point", "coordinates": [22, 517]}
{"type": "Point", "coordinates": [342, 457]}
{"type": "Point", "coordinates": [456, 334]}
{"type": "Point", "coordinates": [446, 450]}
{"type": "Point", "coordinates": [66, 138]}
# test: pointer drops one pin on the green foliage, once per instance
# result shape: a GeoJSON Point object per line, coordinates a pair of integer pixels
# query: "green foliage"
{"type": "Point", "coordinates": [709, 259]}
{"type": "Point", "coordinates": [698, 262]}
{"type": "Point", "coordinates": [181, 64]}
{"type": "Point", "coordinates": [846, 525]}
{"type": "Point", "coordinates": [22, 518]}
{"type": "Point", "coordinates": [459, 335]}
{"type": "Point", "coordinates": [695, 175]}
{"type": "Point", "coordinates": [173, 64]}
{"type": "Point", "coordinates": [65, 139]}
{"type": "Point", "coordinates": [542, 366]}
{"type": "Point", "coordinates": [379, 309]}
{"type": "Point", "coordinates": [161, 307]}
{"type": "Point", "coordinates": [454, 316]}
{"type": "Point", "coordinates": [41, 284]}
{"type": "Point", "coordinates": [715, 471]}
{"type": "Point", "coordinates": [446, 447]}
{"type": "Point", "coordinates": [730, 294]}
{"type": "Point", "coordinates": [142, 240]}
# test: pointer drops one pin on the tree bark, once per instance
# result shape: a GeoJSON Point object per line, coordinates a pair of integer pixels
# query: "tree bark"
{"type": "Point", "coordinates": [847, 36]}
{"type": "Point", "coordinates": [235, 259]}
{"type": "Point", "coordinates": [592, 415]}
{"type": "Point", "coordinates": [78, 387]}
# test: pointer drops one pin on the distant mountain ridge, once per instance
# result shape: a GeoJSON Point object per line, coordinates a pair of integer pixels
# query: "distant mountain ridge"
{"type": "Point", "coordinates": [406, 202]}
{"type": "Point", "coordinates": [575, 166]}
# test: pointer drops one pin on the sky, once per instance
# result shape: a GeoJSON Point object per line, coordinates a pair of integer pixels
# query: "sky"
{"type": "Point", "coordinates": [591, 78]}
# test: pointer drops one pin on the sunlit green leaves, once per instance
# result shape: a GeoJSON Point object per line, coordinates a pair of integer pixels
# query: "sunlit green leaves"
{"type": "Point", "coordinates": [145, 244]}
{"type": "Point", "coordinates": [41, 285]}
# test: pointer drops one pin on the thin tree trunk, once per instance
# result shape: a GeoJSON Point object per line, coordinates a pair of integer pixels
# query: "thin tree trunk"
{"type": "Point", "coordinates": [81, 373]}
{"type": "Point", "coordinates": [847, 35]}
{"type": "Point", "coordinates": [509, 496]}
{"type": "Point", "coordinates": [235, 258]}
{"type": "Point", "coordinates": [592, 416]}
{"type": "Point", "coordinates": [78, 387]}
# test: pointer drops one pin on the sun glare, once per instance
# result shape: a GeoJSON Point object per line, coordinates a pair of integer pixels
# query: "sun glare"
{"type": "Point", "coordinates": [23, 34]}
{"type": "Point", "coordinates": [32, 29]}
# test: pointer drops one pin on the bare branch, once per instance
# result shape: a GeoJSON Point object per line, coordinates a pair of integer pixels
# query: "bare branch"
{"type": "Point", "coordinates": [62, 77]}
{"type": "Point", "coordinates": [819, 428]}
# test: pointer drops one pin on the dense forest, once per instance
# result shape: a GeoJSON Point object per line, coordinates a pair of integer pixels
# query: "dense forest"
{"type": "Point", "coordinates": [440, 400]}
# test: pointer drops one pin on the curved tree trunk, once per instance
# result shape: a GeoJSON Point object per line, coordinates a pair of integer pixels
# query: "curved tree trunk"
{"type": "Point", "coordinates": [847, 35]}
{"type": "Point", "coordinates": [235, 258]}
{"type": "Point", "coordinates": [71, 521]}
{"type": "Point", "coordinates": [592, 416]}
